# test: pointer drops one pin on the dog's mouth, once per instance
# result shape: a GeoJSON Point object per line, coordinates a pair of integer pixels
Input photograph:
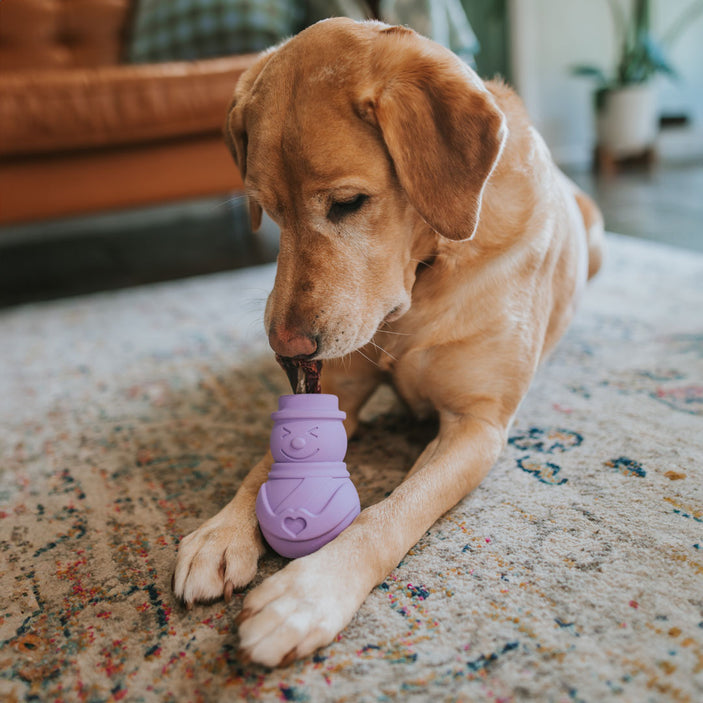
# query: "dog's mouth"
{"type": "Point", "coordinates": [303, 374]}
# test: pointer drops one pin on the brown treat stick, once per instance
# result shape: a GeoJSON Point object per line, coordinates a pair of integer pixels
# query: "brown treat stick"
{"type": "Point", "coordinates": [303, 374]}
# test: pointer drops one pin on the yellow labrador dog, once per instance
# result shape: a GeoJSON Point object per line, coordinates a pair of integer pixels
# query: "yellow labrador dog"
{"type": "Point", "coordinates": [424, 224]}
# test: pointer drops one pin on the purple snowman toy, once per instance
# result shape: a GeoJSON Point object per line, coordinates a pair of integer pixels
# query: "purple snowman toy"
{"type": "Point", "coordinates": [308, 498]}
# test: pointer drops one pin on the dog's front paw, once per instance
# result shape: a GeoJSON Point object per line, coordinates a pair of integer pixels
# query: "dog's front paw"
{"type": "Point", "coordinates": [217, 559]}
{"type": "Point", "coordinates": [296, 611]}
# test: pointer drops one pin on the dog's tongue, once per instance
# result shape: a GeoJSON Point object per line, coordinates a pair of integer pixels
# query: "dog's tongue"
{"type": "Point", "coordinates": [304, 375]}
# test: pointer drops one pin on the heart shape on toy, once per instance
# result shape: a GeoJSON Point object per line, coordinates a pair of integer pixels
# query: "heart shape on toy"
{"type": "Point", "coordinates": [294, 525]}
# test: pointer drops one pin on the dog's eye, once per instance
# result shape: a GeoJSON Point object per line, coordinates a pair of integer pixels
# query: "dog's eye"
{"type": "Point", "coordinates": [343, 208]}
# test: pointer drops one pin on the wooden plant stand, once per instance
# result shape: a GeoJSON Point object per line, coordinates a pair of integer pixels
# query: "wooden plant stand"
{"type": "Point", "coordinates": [607, 164]}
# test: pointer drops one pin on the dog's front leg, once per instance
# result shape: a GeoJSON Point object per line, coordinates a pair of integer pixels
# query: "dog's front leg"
{"type": "Point", "coordinates": [306, 604]}
{"type": "Point", "coordinates": [222, 554]}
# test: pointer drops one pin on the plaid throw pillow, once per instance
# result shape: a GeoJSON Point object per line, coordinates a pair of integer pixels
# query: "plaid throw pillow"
{"type": "Point", "coordinates": [184, 30]}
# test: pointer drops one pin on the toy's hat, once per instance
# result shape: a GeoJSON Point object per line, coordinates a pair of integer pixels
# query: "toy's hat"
{"type": "Point", "coordinates": [304, 406]}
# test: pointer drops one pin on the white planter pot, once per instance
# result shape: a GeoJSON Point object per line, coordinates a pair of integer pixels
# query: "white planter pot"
{"type": "Point", "coordinates": [627, 123]}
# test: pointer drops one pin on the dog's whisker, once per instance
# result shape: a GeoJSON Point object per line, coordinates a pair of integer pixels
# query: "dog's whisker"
{"type": "Point", "coordinates": [256, 303]}
{"type": "Point", "coordinates": [384, 327]}
{"type": "Point", "coordinates": [400, 334]}
{"type": "Point", "coordinates": [384, 351]}
{"type": "Point", "coordinates": [236, 199]}
{"type": "Point", "coordinates": [369, 359]}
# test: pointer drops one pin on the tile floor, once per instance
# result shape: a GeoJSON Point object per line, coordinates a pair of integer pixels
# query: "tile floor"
{"type": "Point", "coordinates": [104, 252]}
{"type": "Point", "coordinates": [665, 205]}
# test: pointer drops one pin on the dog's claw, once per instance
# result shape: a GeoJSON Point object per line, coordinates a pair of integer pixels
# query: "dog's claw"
{"type": "Point", "coordinates": [246, 613]}
{"type": "Point", "coordinates": [229, 589]}
{"type": "Point", "coordinates": [289, 658]}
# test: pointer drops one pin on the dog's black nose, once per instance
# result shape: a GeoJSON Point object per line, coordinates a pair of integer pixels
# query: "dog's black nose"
{"type": "Point", "coordinates": [292, 343]}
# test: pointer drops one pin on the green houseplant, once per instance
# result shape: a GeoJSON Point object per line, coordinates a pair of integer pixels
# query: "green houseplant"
{"type": "Point", "coordinates": [626, 107]}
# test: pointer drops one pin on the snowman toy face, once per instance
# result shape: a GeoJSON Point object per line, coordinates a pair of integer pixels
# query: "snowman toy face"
{"type": "Point", "coordinates": [300, 441]}
{"type": "Point", "coordinates": [308, 428]}
{"type": "Point", "coordinates": [314, 439]}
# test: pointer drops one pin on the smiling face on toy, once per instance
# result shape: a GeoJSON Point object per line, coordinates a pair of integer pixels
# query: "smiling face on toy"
{"type": "Point", "coordinates": [300, 441]}
{"type": "Point", "coordinates": [308, 439]}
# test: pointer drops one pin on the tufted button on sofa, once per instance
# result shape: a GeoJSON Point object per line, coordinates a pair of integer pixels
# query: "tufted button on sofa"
{"type": "Point", "coordinates": [81, 132]}
{"type": "Point", "coordinates": [60, 34]}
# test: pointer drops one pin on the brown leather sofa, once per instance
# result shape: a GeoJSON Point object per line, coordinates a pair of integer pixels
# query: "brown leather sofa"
{"type": "Point", "coordinates": [81, 132]}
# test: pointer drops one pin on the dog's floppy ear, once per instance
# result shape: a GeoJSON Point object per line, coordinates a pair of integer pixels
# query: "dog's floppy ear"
{"type": "Point", "coordinates": [237, 143]}
{"type": "Point", "coordinates": [235, 128]}
{"type": "Point", "coordinates": [441, 127]}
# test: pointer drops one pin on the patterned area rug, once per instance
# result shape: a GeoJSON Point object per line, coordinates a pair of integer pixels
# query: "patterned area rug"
{"type": "Point", "coordinates": [574, 573]}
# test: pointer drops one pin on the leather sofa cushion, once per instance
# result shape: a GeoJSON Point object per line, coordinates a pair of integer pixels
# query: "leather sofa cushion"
{"type": "Point", "coordinates": [61, 33]}
{"type": "Point", "coordinates": [73, 109]}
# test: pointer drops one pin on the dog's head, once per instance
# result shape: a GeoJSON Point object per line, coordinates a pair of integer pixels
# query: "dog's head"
{"type": "Point", "coordinates": [363, 142]}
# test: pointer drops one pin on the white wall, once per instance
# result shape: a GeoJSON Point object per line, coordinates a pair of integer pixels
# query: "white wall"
{"type": "Point", "coordinates": [550, 36]}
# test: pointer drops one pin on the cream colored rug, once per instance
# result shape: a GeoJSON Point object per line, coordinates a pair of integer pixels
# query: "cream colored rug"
{"type": "Point", "coordinates": [574, 573]}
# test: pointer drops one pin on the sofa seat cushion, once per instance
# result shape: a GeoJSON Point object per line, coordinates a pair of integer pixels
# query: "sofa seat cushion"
{"type": "Point", "coordinates": [54, 110]}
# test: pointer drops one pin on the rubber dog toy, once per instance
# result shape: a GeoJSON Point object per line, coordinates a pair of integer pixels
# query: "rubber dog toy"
{"type": "Point", "coordinates": [309, 497]}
